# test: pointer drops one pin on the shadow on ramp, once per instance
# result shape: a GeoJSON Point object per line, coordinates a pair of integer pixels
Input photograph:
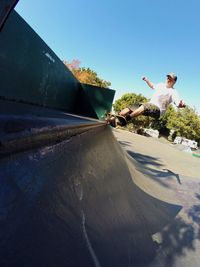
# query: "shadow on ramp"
{"type": "Point", "coordinates": [152, 167]}
{"type": "Point", "coordinates": [74, 204]}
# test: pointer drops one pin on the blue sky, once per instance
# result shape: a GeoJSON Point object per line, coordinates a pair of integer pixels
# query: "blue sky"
{"type": "Point", "coordinates": [124, 41]}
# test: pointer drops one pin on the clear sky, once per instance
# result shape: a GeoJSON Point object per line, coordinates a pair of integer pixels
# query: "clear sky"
{"type": "Point", "coordinates": [124, 40]}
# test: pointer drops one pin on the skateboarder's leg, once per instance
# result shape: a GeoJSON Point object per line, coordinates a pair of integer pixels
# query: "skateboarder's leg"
{"type": "Point", "coordinates": [146, 109]}
{"type": "Point", "coordinates": [130, 113]}
{"type": "Point", "coordinates": [137, 112]}
{"type": "Point", "coordinates": [125, 111]}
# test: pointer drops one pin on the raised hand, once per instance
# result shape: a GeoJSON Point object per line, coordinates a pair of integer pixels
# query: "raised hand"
{"type": "Point", "coordinates": [181, 104]}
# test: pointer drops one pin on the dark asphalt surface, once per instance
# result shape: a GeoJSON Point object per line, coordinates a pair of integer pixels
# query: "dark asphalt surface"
{"type": "Point", "coordinates": [84, 201]}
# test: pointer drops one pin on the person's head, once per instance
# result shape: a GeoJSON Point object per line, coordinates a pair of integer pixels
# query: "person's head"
{"type": "Point", "coordinates": [171, 79]}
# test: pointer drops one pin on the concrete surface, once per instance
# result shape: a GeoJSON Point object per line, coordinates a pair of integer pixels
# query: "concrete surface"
{"type": "Point", "coordinates": [165, 154]}
{"type": "Point", "coordinates": [170, 175]}
{"type": "Point", "coordinates": [82, 200]}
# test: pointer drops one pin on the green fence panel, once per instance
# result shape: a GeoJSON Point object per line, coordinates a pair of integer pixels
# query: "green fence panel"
{"type": "Point", "coordinates": [30, 71]}
{"type": "Point", "coordinates": [100, 100]}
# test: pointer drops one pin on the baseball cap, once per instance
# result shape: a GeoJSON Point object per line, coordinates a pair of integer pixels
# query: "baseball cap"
{"type": "Point", "coordinates": [173, 76]}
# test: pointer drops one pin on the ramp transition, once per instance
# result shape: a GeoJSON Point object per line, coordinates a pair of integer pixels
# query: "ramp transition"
{"type": "Point", "coordinates": [73, 202]}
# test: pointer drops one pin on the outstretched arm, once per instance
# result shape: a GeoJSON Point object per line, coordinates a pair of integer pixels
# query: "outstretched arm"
{"type": "Point", "coordinates": [149, 83]}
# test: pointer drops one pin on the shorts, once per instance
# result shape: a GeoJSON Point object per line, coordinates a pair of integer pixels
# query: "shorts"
{"type": "Point", "coordinates": [149, 109]}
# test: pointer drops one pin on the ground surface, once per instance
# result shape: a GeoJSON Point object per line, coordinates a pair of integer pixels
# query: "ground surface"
{"type": "Point", "coordinates": [172, 176]}
{"type": "Point", "coordinates": [165, 154]}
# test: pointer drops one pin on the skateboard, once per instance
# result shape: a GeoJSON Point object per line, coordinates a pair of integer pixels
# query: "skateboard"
{"type": "Point", "coordinates": [115, 120]}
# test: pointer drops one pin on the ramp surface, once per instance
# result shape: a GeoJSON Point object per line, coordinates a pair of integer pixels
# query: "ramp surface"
{"type": "Point", "coordinates": [75, 202]}
{"type": "Point", "coordinates": [172, 176]}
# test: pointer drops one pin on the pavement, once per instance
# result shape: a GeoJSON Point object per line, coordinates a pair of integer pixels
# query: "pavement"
{"type": "Point", "coordinates": [165, 154]}
{"type": "Point", "coordinates": [172, 176]}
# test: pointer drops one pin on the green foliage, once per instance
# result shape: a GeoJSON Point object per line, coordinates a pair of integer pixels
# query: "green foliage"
{"type": "Point", "coordinates": [185, 122]}
{"type": "Point", "coordinates": [128, 99]}
{"type": "Point", "coordinates": [162, 124]}
{"type": "Point", "coordinates": [86, 75]}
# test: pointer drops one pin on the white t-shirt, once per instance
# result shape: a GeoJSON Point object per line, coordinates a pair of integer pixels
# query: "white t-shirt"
{"type": "Point", "coordinates": [164, 96]}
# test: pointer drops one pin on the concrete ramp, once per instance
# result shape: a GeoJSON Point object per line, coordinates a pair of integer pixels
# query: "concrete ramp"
{"type": "Point", "coordinates": [72, 201]}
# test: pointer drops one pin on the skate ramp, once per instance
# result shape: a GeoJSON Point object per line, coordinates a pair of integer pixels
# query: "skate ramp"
{"type": "Point", "coordinates": [73, 201]}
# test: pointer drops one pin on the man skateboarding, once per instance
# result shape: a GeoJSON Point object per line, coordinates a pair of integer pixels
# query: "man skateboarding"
{"type": "Point", "coordinates": [164, 95]}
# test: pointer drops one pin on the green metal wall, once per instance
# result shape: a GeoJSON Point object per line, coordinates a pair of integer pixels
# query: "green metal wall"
{"type": "Point", "coordinates": [30, 70]}
{"type": "Point", "coordinates": [6, 6]}
{"type": "Point", "coordinates": [100, 101]}
{"type": "Point", "coordinates": [32, 73]}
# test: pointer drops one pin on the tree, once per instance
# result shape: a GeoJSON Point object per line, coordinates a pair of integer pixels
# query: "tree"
{"type": "Point", "coordinates": [128, 100]}
{"type": "Point", "coordinates": [86, 75]}
{"type": "Point", "coordinates": [185, 122]}
{"type": "Point", "coordinates": [162, 124]}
